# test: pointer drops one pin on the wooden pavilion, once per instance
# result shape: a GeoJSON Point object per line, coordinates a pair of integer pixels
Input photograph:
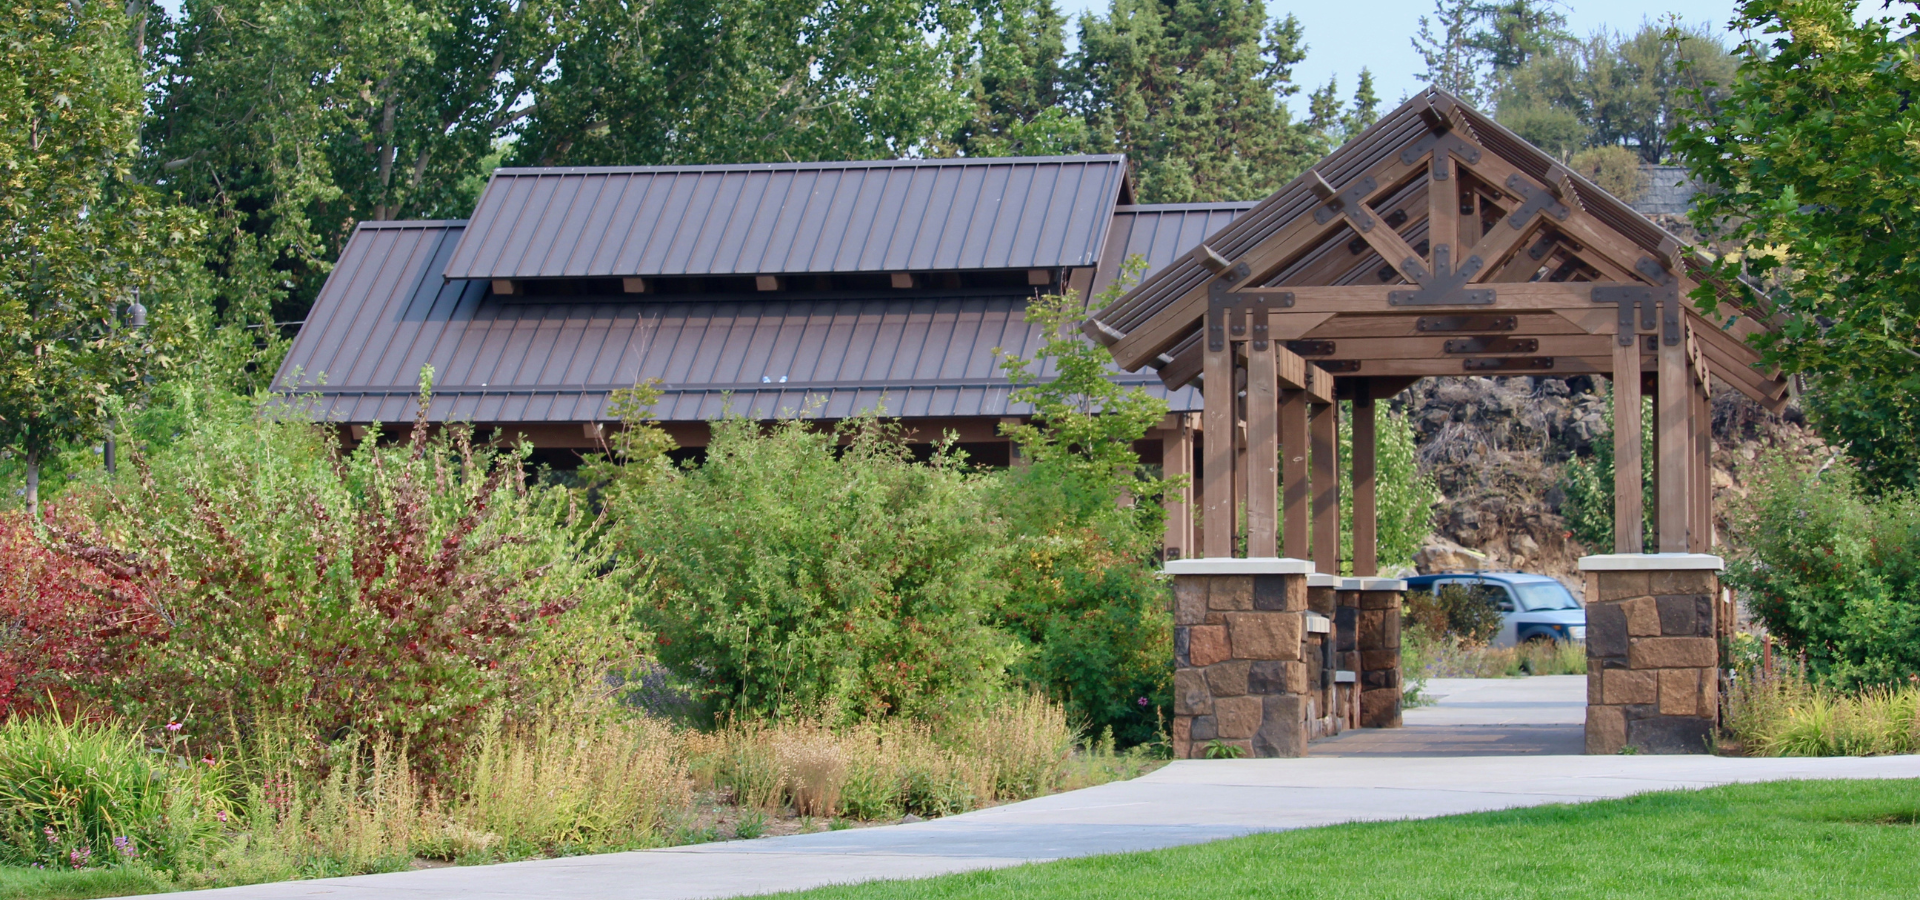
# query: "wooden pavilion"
{"type": "Point", "coordinates": [1437, 242]}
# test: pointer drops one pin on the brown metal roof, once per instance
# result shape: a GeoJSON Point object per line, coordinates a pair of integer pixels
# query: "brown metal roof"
{"type": "Point", "coordinates": [793, 218]}
{"type": "Point", "coordinates": [385, 312]}
{"type": "Point", "coordinates": [1159, 233]}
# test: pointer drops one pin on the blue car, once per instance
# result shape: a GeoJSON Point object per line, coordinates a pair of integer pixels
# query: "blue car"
{"type": "Point", "coordinates": [1536, 607]}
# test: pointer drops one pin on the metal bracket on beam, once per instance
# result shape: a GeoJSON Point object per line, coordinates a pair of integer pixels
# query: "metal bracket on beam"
{"type": "Point", "coordinates": [1311, 348]}
{"type": "Point", "coordinates": [1492, 344]}
{"type": "Point", "coordinates": [1443, 287]}
{"type": "Point", "coordinates": [1466, 323]}
{"type": "Point", "coordinates": [1451, 141]}
{"type": "Point", "coordinates": [1670, 331]}
{"type": "Point", "coordinates": [1532, 201]}
{"type": "Point", "coordinates": [1352, 201]}
{"type": "Point", "coordinates": [1338, 365]}
{"type": "Point", "coordinates": [1427, 297]}
{"type": "Point", "coordinates": [1508, 364]}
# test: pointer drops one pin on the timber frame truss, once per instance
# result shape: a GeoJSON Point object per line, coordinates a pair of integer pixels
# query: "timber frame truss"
{"type": "Point", "coordinates": [1435, 243]}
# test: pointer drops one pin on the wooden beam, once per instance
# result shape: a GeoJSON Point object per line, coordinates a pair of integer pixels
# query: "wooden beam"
{"type": "Point", "coordinates": [1176, 463]}
{"type": "Point", "coordinates": [1039, 277]}
{"type": "Point", "coordinates": [1628, 508]}
{"type": "Point", "coordinates": [904, 279]}
{"type": "Point", "coordinates": [636, 286]}
{"type": "Point", "coordinates": [1392, 248]}
{"type": "Point", "coordinates": [1296, 510]}
{"type": "Point", "coordinates": [769, 283]}
{"type": "Point", "coordinates": [505, 287]}
{"type": "Point", "coordinates": [1324, 437]}
{"type": "Point", "coordinates": [1263, 450]}
{"type": "Point", "coordinates": [1291, 240]}
{"type": "Point", "coordinates": [1216, 492]}
{"type": "Point", "coordinates": [1449, 346]}
{"type": "Point", "coordinates": [1673, 445]}
{"type": "Point", "coordinates": [1700, 534]}
{"type": "Point", "coordinates": [1366, 543]}
{"type": "Point", "coordinates": [1443, 208]}
{"type": "Point", "coordinates": [1444, 325]}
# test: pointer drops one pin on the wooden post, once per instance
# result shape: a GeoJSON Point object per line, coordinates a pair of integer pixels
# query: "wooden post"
{"type": "Point", "coordinates": [1366, 549]}
{"type": "Point", "coordinates": [1443, 209]}
{"type": "Point", "coordinates": [1627, 510]}
{"type": "Point", "coordinates": [1263, 449]}
{"type": "Point", "coordinates": [1296, 510]}
{"type": "Point", "coordinates": [1323, 427]}
{"type": "Point", "coordinates": [1702, 469]}
{"type": "Point", "coordinates": [1673, 445]}
{"type": "Point", "coordinates": [1217, 443]}
{"type": "Point", "coordinates": [1176, 461]}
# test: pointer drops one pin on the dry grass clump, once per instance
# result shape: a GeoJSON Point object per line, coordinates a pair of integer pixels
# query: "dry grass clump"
{"type": "Point", "coordinates": [1786, 715]}
{"type": "Point", "coordinates": [885, 769]}
{"type": "Point", "coordinates": [1425, 656]}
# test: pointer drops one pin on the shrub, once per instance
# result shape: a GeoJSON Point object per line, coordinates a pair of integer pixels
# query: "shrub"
{"type": "Point", "coordinates": [791, 574]}
{"type": "Point", "coordinates": [1084, 522]}
{"type": "Point", "coordinates": [1403, 498]}
{"type": "Point", "coordinates": [390, 592]}
{"type": "Point", "coordinates": [1830, 573]}
{"type": "Point", "coordinates": [1786, 715]}
{"type": "Point", "coordinates": [1588, 483]}
{"type": "Point", "coordinates": [1461, 612]}
{"type": "Point", "coordinates": [73, 612]}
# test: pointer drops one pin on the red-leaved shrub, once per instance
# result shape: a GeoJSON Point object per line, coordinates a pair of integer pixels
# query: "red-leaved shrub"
{"type": "Point", "coordinates": [74, 612]}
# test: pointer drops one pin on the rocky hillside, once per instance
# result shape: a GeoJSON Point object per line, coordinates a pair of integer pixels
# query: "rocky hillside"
{"type": "Point", "coordinates": [1497, 448]}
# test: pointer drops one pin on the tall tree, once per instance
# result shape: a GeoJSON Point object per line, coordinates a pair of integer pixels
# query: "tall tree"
{"type": "Point", "coordinates": [1513, 33]}
{"type": "Point", "coordinates": [1811, 161]}
{"type": "Point", "coordinates": [706, 81]}
{"type": "Point", "coordinates": [1616, 90]}
{"type": "Point", "coordinates": [1447, 45]}
{"type": "Point", "coordinates": [79, 236]}
{"type": "Point", "coordinates": [1196, 92]}
{"type": "Point", "coordinates": [290, 121]}
{"type": "Point", "coordinates": [1019, 84]}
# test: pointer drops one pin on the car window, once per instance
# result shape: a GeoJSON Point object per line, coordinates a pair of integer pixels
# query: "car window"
{"type": "Point", "coordinates": [1540, 596]}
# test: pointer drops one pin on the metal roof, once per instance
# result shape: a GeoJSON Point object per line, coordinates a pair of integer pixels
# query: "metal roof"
{"type": "Point", "coordinates": [792, 218]}
{"type": "Point", "coordinates": [385, 312]}
{"type": "Point", "coordinates": [1159, 233]}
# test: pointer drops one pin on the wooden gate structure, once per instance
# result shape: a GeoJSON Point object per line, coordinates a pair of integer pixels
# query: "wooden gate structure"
{"type": "Point", "coordinates": [1437, 242]}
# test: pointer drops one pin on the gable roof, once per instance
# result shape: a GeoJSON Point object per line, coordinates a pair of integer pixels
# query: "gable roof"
{"type": "Point", "coordinates": [792, 218]}
{"type": "Point", "coordinates": [1319, 232]}
{"type": "Point", "coordinates": [385, 312]}
{"type": "Point", "coordinates": [1159, 233]}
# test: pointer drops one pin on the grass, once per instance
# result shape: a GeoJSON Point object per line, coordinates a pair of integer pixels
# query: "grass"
{"type": "Point", "coordinates": [1424, 656]}
{"type": "Point", "coordinates": [17, 883]}
{"type": "Point", "coordinates": [1808, 839]}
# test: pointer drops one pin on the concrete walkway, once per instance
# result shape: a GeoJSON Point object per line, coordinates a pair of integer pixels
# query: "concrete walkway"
{"type": "Point", "coordinates": [1183, 803]}
{"type": "Point", "coordinates": [1544, 715]}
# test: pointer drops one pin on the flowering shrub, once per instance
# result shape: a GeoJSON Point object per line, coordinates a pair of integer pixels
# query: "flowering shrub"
{"type": "Point", "coordinates": [389, 591]}
{"type": "Point", "coordinates": [73, 612]}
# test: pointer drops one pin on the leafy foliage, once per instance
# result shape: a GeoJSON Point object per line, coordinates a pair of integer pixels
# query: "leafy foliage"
{"type": "Point", "coordinates": [1877, 423]}
{"type": "Point", "coordinates": [1403, 498]}
{"type": "Point", "coordinates": [1830, 573]}
{"type": "Point", "coordinates": [79, 236]}
{"type": "Point", "coordinates": [1462, 612]}
{"type": "Point", "coordinates": [1810, 159]}
{"type": "Point", "coordinates": [393, 592]}
{"type": "Point", "coordinates": [1588, 482]}
{"type": "Point", "coordinates": [793, 576]}
{"type": "Point", "coordinates": [1084, 522]}
{"type": "Point", "coordinates": [76, 612]}
{"type": "Point", "coordinates": [1617, 90]}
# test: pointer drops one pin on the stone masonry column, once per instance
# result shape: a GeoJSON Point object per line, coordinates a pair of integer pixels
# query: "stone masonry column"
{"type": "Point", "coordinates": [1377, 603]}
{"type": "Point", "coordinates": [1652, 656]}
{"type": "Point", "coordinates": [1238, 629]}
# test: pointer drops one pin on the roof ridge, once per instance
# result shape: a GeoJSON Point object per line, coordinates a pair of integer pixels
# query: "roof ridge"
{"type": "Point", "coordinates": [914, 162]}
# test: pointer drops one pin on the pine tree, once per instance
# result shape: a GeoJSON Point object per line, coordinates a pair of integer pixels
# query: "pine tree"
{"type": "Point", "coordinates": [1019, 84]}
{"type": "Point", "coordinates": [1196, 93]}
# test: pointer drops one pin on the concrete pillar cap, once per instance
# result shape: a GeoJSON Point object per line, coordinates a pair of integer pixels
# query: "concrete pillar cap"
{"type": "Point", "coordinates": [1651, 562]}
{"type": "Point", "coordinates": [1373, 584]}
{"type": "Point", "coordinates": [1322, 579]}
{"type": "Point", "coordinates": [1226, 565]}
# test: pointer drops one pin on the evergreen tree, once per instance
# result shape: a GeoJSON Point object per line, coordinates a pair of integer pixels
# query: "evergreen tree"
{"type": "Point", "coordinates": [1195, 92]}
{"type": "Point", "coordinates": [1449, 45]}
{"type": "Point", "coordinates": [1018, 88]}
{"type": "Point", "coordinates": [1616, 90]}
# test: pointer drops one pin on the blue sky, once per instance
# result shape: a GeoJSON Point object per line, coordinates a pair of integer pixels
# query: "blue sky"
{"type": "Point", "coordinates": [1344, 36]}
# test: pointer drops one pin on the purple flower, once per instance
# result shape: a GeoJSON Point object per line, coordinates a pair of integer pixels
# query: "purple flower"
{"type": "Point", "coordinates": [51, 837]}
{"type": "Point", "coordinates": [220, 814]}
{"type": "Point", "coordinates": [1143, 701]}
{"type": "Point", "coordinates": [173, 726]}
{"type": "Point", "coordinates": [79, 857]}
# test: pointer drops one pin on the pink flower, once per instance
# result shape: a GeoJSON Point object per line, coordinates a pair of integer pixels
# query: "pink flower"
{"type": "Point", "coordinates": [173, 726]}
{"type": "Point", "coordinates": [207, 759]}
{"type": "Point", "coordinates": [220, 814]}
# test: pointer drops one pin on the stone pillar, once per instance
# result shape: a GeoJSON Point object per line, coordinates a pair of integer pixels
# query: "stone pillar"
{"type": "Point", "coordinates": [1239, 676]}
{"type": "Point", "coordinates": [1652, 657]}
{"type": "Point", "coordinates": [1376, 655]}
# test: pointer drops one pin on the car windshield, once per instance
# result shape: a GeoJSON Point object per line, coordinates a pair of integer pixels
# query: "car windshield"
{"type": "Point", "coordinates": [1538, 596]}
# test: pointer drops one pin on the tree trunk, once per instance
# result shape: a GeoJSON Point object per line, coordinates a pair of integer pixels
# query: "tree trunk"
{"type": "Point", "coordinates": [33, 485]}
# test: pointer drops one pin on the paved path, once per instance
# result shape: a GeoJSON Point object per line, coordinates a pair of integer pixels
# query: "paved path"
{"type": "Point", "coordinates": [1544, 715]}
{"type": "Point", "coordinates": [1183, 803]}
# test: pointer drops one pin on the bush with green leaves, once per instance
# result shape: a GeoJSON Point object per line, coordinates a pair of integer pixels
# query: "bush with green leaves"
{"type": "Point", "coordinates": [1831, 570]}
{"type": "Point", "coordinates": [1462, 612]}
{"type": "Point", "coordinates": [803, 571]}
{"type": "Point", "coordinates": [1588, 483]}
{"type": "Point", "coordinates": [389, 591]}
{"type": "Point", "coordinates": [1403, 499]}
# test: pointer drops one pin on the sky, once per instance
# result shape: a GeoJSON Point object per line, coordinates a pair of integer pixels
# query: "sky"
{"type": "Point", "coordinates": [1344, 35]}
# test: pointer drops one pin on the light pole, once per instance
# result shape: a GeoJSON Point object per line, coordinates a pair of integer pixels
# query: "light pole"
{"type": "Point", "coordinates": [136, 320]}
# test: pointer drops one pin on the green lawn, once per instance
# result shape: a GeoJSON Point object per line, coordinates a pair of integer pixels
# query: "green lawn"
{"type": "Point", "coordinates": [1794, 840]}
{"type": "Point", "coordinates": [58, 884]}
